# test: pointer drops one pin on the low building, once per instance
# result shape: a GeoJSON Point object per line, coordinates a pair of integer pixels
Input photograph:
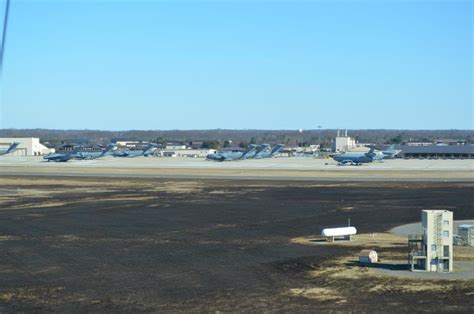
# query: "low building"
{"type": "Point", "coordinates": [196, 144]}
{"type": "Point", "coordinates": [129, 144]}
{"type": "Point", "coordinates": [368, 256]}
{"type": "Point", "coordinates": [418, 143]}
{"type": "Point", "coordinates": [451, 142]}
{"type": "Point", "coordinates": [29, 146]}
{"type": "Point", "coordinates": [174, 146]}
{"type": "Point", "coordinates": [437, 151]}
{"type": "Point", "coordinates": [465, 236]}
{"type": "Point", "coordinates": [193, 153]}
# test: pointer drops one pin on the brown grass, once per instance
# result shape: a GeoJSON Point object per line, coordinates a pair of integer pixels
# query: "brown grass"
{"type": "Point", "coordinates": [319, 294]}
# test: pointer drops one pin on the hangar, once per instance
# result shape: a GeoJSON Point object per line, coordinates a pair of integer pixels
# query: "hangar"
{"type": "Point", "coordinates": [29, 146]}
{"type": "Point", "coordinates": [437, 151]}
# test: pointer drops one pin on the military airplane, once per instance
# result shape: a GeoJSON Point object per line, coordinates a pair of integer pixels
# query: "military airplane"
{"type": "Point", "coordinates": [233, 154]}
{"type": "Point", "coordinates": [258, 149]}
{"type": "Point", "coordinates": [94, 155]}
{"type": "Point", "coordinates": [389, 153]}
{"type": "Point", "coordinates": [61, 157]}
{"type": "Point", "coordinates": [10, 149]}
{"type": "Point", "coordinates": [355, 158]}
{"type": "Point", "coordinates": [148, 150]}
{"type": "Point", "coordinates": [268, 153]}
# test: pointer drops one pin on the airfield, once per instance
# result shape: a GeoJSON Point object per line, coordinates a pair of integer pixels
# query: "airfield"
{"type": "Point", "coordinates": [189, 235]}
{"type": "Point", "coordinates": [275, 168]}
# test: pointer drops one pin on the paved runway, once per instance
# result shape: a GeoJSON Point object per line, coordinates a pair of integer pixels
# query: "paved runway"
{"type": "Point", "coordinates": [274, 169]}
{"type": "Point", "coordinates": [415, 228]}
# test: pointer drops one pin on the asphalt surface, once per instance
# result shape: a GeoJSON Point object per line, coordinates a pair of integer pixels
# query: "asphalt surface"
{"type": "Point", "coordinates": [265, 169]}
{"type": "Point", "coordinates": [415, 228]}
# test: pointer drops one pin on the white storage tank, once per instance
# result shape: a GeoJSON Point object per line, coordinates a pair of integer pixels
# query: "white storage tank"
{"type": "Point", "coordinates": [339, 232]}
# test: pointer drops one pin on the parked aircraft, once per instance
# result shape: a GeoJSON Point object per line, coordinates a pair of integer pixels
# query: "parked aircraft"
{"type": "Point", "coordinates": [267, 153]}
{"type": "Point", "coordinates": [258, 149]}
{"type": "Point", "coordinates": [61, 157]}
{"type": "Point", "coordinates": [94, 155]}
{"type": "Point", "coordinates": [233, 154]}
{"type": "Point", "coordinates": [148, 150]}
{"type": "Point", "coordinates": [389, 153]}
{"type": "Point", "coordinates": [10, 149]}
{"type": "Point", "coordinates": [251, 151]}
{"type": "Point", "coordinates": [355, 158]}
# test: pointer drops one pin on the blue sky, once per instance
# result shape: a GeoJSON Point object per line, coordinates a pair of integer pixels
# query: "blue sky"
{"type": "Point", "coordinates": [238, 64]}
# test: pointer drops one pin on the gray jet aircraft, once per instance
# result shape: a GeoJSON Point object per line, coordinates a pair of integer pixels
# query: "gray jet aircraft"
{"type": "Point", "coordinates": [355, 158]}
{"type": "Point", "coordinates": [148, 150]}
{"type": "Point", "coordinates": [233, 154]}
{"type": "Point", "coordinates": [94, 155]}
{"type": "Point", "coordinates": [256, 151]}
{"type": "Point", "coordinates": [10, 149]}
{"type": "Point", "coordinates": [389, 153]}
{"type": "Point", "coordinates": [61, 157]}
{"type": "Point", "coordinates": [267, 153]}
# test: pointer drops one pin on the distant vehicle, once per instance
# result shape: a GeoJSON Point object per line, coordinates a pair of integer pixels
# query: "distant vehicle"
{"type": "Point", "coordinates": [94, 155]}
{"type": "Point", "coordinates": [147, 151]}
{"type": "Point", "coordinates": [233, 154]}
{"type": "Point", "coordinates": [61, 157]}
{"type": "Point", "coordinates": [355, 158]}
{"type": "Point", "coordinates": [267, 153]}
{"type": "Point", "coordinates": [10, 149]}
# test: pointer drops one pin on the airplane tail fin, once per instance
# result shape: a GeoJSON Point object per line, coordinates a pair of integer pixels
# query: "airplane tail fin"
{"type": "Point", "coordinates": [262, 147]}
{"type": "Point", "coordinates": [276, 149]}
{"type": "Point", "coordinates": [76, 150]}
{"type": "Point", "coordinates": [251, 148]}
{"type": "Point", "coordinates": [108, 149]}
{"type": "Point", "coordinates": [371, 152]}
{"type": "Point", "coordinates": [12, 147]}
{"type": "Point", "coordinates": [149, 149]}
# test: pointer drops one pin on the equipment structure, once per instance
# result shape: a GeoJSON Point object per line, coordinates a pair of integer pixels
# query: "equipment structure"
{"type": "Point", "coordinates": [433, 250]}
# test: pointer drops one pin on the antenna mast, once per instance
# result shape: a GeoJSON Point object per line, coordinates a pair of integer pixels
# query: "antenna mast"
{"type": "Point", "coordinates": [4, 35]}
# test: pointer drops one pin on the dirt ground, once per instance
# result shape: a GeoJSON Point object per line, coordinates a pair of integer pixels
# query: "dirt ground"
{"type": "Point", "coordinates": [128, 245]}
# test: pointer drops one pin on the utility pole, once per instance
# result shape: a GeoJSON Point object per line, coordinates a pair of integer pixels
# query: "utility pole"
{"type": "Point", "coordinates": [319, 127]}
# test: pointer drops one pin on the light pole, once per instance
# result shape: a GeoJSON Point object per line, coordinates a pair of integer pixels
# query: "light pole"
{"type": "Point", "coordinates": [319, 127]}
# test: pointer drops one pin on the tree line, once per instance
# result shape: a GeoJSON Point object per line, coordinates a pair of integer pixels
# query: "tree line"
{"type": "Point", "coordinates": [216, 138]}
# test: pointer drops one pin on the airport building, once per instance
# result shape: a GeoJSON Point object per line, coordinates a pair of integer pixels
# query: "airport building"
{"type": "Point", "coordinates": [193, 153]}
{"type": "Point", "coordinates": [437, 151]}
{"type": "Point", "coordinates": [432, 151]}
{"type": "Point", "coordinates": [465, 236]}
{"type": "Point", "coordinates": [29, 146]}
{"type": "Point", "coordinates": [343, 143]}
{"type": "Point", "coordinates": [174, 146]}
{"type": "Point", "coordinates": [433, 250]}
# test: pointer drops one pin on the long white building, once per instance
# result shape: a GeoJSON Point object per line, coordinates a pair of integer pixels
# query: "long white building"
{"type": "Point", "coordinates": [29, 146]}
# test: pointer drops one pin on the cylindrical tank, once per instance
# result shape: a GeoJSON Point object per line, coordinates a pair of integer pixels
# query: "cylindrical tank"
{"type": "Point", "coordinates": [339, 232]}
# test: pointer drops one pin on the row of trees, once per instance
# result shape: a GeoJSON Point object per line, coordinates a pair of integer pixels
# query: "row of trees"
{"type": "Point", "coordinates": [219, 137]}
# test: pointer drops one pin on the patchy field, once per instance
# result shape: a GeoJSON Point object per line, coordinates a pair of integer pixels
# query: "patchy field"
{"type": "Point", "coordinates": [127, 245]}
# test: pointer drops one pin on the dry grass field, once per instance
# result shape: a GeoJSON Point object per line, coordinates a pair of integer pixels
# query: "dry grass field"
{"type": "Point", "coordinates": [130, 244]}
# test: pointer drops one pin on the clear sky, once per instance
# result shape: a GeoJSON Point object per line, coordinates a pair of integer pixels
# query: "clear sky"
{"type": "Point", "coordinates": [245, 64]}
